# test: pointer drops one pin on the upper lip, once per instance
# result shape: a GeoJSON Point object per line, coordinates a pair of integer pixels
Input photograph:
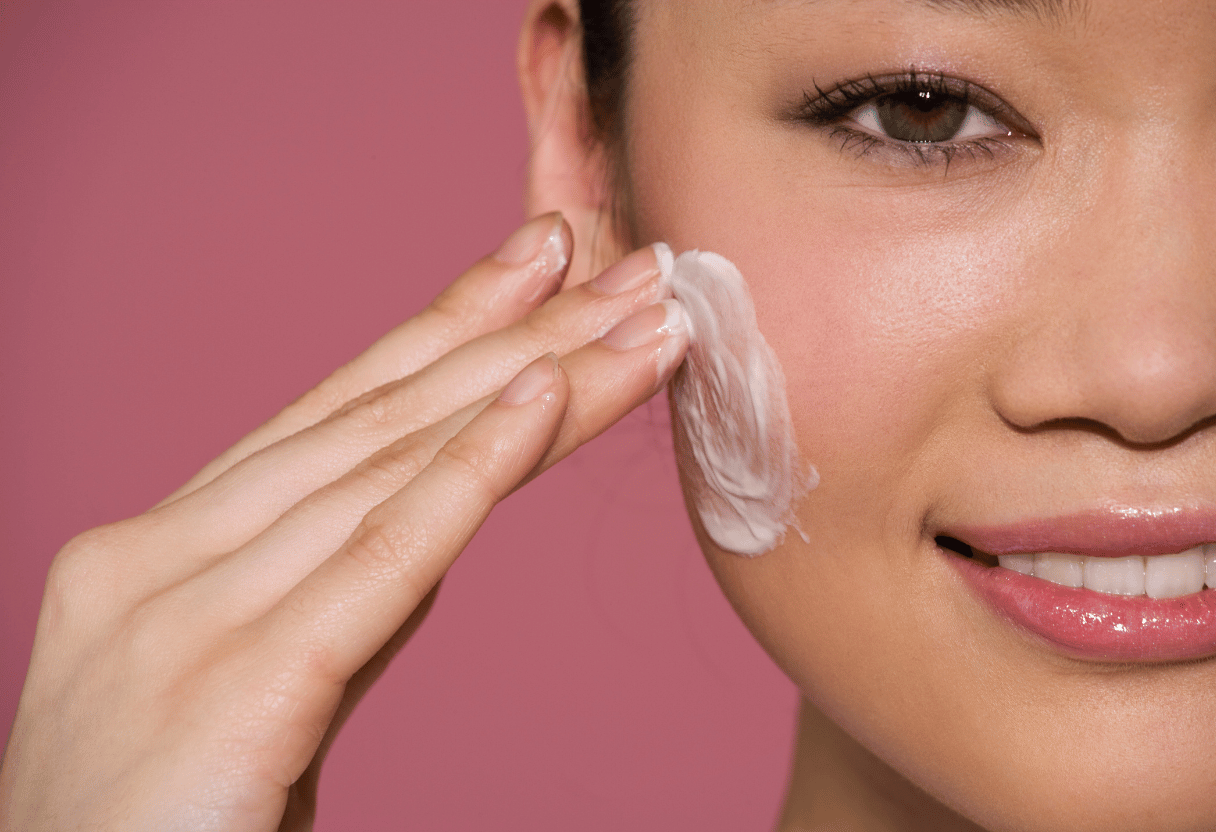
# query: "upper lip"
{"type": "Point", "coordinates": [1111, 532]}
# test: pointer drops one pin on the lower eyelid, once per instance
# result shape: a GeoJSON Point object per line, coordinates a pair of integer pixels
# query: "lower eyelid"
{"type": "Point", "coordinates": [896, 154]}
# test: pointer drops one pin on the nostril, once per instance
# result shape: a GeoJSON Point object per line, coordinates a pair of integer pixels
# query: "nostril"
{"type": "Point", "coordinates": [1138, 369]}
{"type": "Point", "coordinates": [1132, 439]}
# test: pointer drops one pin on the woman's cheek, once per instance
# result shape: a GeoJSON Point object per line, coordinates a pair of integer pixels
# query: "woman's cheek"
{"type": "Point", "coordinates": [740, 459]}
{"type": "Point", "coordinates": [878, 303]}
{"type": "Point", "coordinates": [884, 337]}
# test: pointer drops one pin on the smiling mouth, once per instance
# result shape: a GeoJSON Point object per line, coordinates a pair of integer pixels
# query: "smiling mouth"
{"type": "Point", "coordinates": [1156, 576]}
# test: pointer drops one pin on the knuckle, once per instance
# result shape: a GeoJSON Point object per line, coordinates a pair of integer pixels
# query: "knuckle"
{"type": "Point", "coordinates": [454, 306]}
{"type": "Point", "coordinates": [318, 660]}
{"type": "Point", "coordinates": [151, 641]}
{"type": "Point", "coordinates": [375, 409]}
{"type": "Point", "coordinates": [378, 411]}
{"type": "Point", "coordinates": [376, 547]}
{"type": "Point", "coordinates": [97, 575]}
{"type": "Point", "coordinates": [393, 467]}
{"type": "Point", "coordinates": [83, 567]}
{"type": "Point", "coordinates": [542, 329]}
{"type": "Point", "coordinates": [472, 466]}
{"type": "Point", "coordinates": [384, 551]}
{"type": "Point", "coordinates": [330, 396]}
{"type": "Point", "coordinates": [75, 556]}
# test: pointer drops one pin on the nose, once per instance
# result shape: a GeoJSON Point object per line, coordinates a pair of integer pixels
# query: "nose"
{"type": "Point", "coordinates": [1121, 330]}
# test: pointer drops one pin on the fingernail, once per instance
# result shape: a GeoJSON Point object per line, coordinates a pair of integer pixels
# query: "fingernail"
{"type": "Point", "coordinates": [532, 380]}
{"type": "Point", "coordinates": [667, 261]}
{"type": "Point", "coordinates": [653, 323]}
{"type": "Point", "coordinates": [627, 274]}
{"type": "Point", "coordinates": [542, 236]}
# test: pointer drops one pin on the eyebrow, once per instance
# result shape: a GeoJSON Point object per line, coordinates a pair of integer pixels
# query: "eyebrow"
{"type": "Point", "coordinates": [1047, 11]}
{"type": "Point", "coordinates": [1053, 12]}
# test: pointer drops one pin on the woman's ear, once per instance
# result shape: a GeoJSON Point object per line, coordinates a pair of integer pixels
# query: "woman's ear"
{"type": "Point", "coordinates": [567, 169]}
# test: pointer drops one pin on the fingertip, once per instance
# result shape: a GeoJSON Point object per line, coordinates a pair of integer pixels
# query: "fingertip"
{"type": "Point", "coordinates": [539, 253]}
{"type": "Point", "coordinates": [662, 320]}
{"type": "Point", "coordinates": [553, 260]}
{"type": "Point", "coordinates": [675, 346]}
{"type": "Point", "coordinates": [527, 243]}
{"type": "Point", "coordinates": [629, 273]}
{"type": "Point", "coordinates": [662, 327]}
{"type": "Point", "coordinates": [566, 236]}
{"type": "Point", "coordinates": [532, 382]}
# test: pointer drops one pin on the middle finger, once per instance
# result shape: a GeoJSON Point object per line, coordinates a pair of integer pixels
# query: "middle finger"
{"type": "Point", "coordinates": [251, 495]}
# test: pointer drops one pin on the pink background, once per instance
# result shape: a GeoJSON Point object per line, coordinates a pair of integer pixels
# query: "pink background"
{"type": "Point", "coordinates": [205, 207]}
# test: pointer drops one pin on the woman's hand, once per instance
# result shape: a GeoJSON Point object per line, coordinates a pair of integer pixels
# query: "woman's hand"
{"type": "Point", "coordinates": [193, 664]}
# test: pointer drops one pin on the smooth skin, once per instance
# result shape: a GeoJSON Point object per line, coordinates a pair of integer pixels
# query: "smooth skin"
{"type": "Point", "coordinates": [192, 665]}
{"type": "Point", "coordinates": [1027, 332]}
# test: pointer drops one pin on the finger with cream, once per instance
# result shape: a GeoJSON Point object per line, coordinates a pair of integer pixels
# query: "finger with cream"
{"type": "Point", "coordinates": [740, 459]}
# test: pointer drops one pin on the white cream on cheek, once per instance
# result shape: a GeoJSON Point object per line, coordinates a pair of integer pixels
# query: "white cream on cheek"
{"type": "Point", "coordinates": [730, 403]}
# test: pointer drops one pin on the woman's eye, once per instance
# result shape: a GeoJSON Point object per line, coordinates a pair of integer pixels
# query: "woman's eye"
{"type": "Point", "coordinates": [926, 116]}
{"type": "Point", "coordinates": [918, 118]}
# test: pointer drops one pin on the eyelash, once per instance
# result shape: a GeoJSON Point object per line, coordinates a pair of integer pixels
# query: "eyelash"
{"type": "Point", "coordinates": [826, 108]}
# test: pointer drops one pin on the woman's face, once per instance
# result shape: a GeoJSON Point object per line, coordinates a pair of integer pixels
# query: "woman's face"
{"type": "Point", "coordinates": [1005, 338]}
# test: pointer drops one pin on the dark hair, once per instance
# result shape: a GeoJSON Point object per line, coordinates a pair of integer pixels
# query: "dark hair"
{"type": "Point", "coordinates": [607, 26]}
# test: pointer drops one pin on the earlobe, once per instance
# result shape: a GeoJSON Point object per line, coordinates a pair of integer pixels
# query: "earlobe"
{"type": "Point", "coordinates": [567, 168]}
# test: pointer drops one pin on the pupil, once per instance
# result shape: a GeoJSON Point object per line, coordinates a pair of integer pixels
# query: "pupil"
{"type": "Point", "coordinates": [921, 116]}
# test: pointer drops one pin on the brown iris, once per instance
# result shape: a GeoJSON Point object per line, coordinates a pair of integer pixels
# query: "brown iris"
{"type": "Point", "coordinates": [921, 115]}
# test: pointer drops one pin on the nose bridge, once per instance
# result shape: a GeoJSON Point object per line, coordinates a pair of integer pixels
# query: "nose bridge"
{"type": "Point", "coordinates": [1143, 287]}
{"type": "Point", "coordinates": [1125, 329]}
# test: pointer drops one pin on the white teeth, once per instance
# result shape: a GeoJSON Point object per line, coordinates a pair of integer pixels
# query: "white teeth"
{"type": "Point", "coordinates": [1067, 570]}
{"type": "Point", "coordinates": [1170, 576]}
{"type": "Point", "coordinates": [1158, 576]}
{"type": "Point", "coordinates": [1117, 576]}
{"type": "Point", "coordinates": [1025, 563]}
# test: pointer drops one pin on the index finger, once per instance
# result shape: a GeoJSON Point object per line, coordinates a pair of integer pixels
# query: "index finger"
{"type": "Point", "coordinates": [498, 290]}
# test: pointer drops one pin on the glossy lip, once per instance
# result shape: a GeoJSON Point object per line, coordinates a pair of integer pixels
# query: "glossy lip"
{"type": "Point", "coordinates": [1091, 625]}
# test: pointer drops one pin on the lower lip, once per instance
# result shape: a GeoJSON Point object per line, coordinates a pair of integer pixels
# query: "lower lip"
{"type": "Point", "coordinates": [1092, 625]}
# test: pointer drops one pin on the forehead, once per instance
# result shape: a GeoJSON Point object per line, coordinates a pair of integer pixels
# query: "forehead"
{"type": "Point", "coordinates": [1160, 44]}
{"type": "Point", "coordinates": [1053, 12]}
{"type": "Point", "coordinates": [1157, 18]}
